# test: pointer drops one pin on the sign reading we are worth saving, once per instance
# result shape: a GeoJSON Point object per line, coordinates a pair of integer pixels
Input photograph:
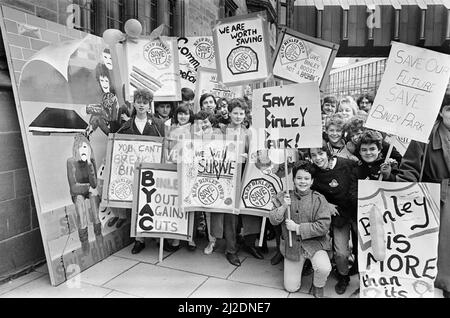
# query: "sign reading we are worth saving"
{"type": "Point", "coordinates": [409, 220]}
{"type": "Point", "coordinates": [411, 91]}
{"type": "Point", "coordinates": [300, 58]}
{"type": "Point", "coordinates": [288, 116]}
{"type": "Point", "coordinates": [156, 212]}
{"type": "Point", "coordinates": [123, 152]}
{"type": "Point", "coordinates": [209, 171]}
{"type": "Point", "coordinates": [242, 49]}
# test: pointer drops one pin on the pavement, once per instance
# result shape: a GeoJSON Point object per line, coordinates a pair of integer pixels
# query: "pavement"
{"type": "Point", "coordinates": [181, 274]}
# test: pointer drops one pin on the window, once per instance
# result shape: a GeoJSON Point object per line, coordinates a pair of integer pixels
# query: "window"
{"type": "Point", "coordinates": [282, 16]}
{"type": "Point", "coordinates": [86, 17]}
{"type": "Point", "coordinates": [230, 8]}
{"type": "Point", "coordinates": [154, 14]}
{"type": "Point", "coordinates": [114, 14]}
{"type": "Point", "coordinates": [171, 6]}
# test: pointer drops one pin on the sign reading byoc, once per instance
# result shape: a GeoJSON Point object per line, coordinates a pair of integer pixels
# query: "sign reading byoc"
{"type": "Point", "coordinates": [209, 172]}
{"type": "Point", "coordinates": [123, 152]}
{"type": "Point", "coordinates": [242, 49]}
{"type": "Point", "coordinates": [156, 212]}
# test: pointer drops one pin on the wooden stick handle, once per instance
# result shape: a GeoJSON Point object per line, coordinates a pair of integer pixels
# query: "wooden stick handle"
{"type": "Point", "coordinates": [261, 235]}
{"type": "Point", "coordinates": [287, 190]}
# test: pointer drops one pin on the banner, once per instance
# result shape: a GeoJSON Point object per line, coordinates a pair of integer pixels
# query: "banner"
{"type": "Point", "coordinates": [207, 83]}
{"type": "Point", "coordinates": [264, 177]}
{"type": "Point", "coordinates": [301, 58]}
{"type": "Point", "coordinates": [156, 211]}
{"type": "Point", "coordinates": [399, 221]}
{"type": "Point", "coordinates": [209, 173]}
{"type": "Point", "coordinates": [411, 91]}
{"type": "Point", "coordinates": [288, 116]}
{"type": "Point", "coordinates": [123, 152]}
{"type": "Point", "coordinates": [242, 49]}
{"type": "Point", "coordinates": [194, 52]}
{"type": "Point", "coordinates": [154, 65]}
{"type": "Point", "coordinates": [53, 87]}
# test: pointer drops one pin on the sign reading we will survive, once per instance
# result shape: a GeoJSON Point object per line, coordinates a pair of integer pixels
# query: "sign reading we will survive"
{"type": "Point", "coordinates": [156, 212]}
{"type": "Point", "coordinates": [242, 49]}
{"type": "Point", "coordinates": [410, 94]}
{"type": "Point", "coordinates": [288, 116]}
{"type": "Point", "coordinates": [407, 233]}
{"type": "Point", "coordinates": [209, 172]}
{"type": "Point", "coordinates": [123, 152]}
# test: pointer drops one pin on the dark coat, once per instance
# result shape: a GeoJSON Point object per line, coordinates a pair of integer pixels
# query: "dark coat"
{"type": "Point", "coordinates": [153, 127]}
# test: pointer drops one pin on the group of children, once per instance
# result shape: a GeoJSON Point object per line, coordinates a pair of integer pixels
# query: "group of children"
{"type": "Point", "coordinates": [323, 205]}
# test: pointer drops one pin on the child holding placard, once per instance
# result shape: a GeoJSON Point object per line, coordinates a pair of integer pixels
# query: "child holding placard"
{"type": "Point", "coordinates": [309, 222]}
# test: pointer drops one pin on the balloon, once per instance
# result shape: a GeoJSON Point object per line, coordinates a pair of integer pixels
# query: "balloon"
{"type": "Point", "coordinates": [112, 36]}
{"type": "Point", "coordinates": [133, 28]}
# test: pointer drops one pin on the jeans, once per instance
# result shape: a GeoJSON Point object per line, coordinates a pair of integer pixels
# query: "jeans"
{"type": "Point", "coordinates": [341, 238]}
{"type": "Point", "coordinates": [293, 271]}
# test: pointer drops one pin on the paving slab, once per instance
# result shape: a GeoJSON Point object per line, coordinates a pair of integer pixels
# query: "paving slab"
{"type": "Point", "coordinates": [22, 280]}
{"type": "Point", "coordinates": [259, 272]}
{"type": "Point", "coordinates": [150, 254]}
{"type": "Point", "coordinates": [106, 270]}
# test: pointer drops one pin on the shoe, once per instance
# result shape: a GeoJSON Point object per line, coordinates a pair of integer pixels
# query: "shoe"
{"type": "Point", "coordinates": [253, 251]}
{"type": "Point", "coordinates": [138, 247]}
{"type": "Point", "coordinates": [277, 258]}
{"type": "Point", "coordinates": [233, 259]}
{"type": "Point", "coordinates": [317, 292]}
{"type": "Point", "coordinates": [342, 284]}
{"type": "Point", "coordinates": [446, 293]}
{"type": "Point", "coordinates": [171, 248]}
{"type": "Point", "coordinates": [191, 248]}
{"type": "Point", "coordinates": [210, 248]}
{"type": "Point", "coordinates": [112, 221]}
{"type": "Point", "coordinates": [120, 222]}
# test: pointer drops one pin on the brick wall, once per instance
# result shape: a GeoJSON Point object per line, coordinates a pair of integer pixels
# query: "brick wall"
{"type": "Point", "coordinates": [20, 238]}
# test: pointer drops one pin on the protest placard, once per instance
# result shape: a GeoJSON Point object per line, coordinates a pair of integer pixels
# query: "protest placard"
{"type": "Point", "coordinates": [156, 211]}
{"type": "Point", "coordinates": [264, 177]}
{"type": "Point", "coordinates": [123, 151]}
{"type": "Point", "coordinates": [400, 143]}
{"type": "Point", "coordinates": [209, 173]}
{"type": "Point", "coordinates": [207, 83]}
{"type": "Point", "coordinates": [301, 58]}
{"type": "Point", "coordinates": [194, 52]}
{"type": "Point", "coordinates": [407, 237]}
{"type": "Point", "coordinates": [153, 65]}
{"type": "Point", "coordinates": [288, 116]}
{"type": "Point", "coordinates": [411, 91]}
{"type": "Point", "coordinates": [242, 49]}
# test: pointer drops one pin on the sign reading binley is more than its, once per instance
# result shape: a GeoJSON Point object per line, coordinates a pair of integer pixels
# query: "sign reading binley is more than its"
{"type": "Point", "coordinates": [411, 91]}
{"type": "Point", "coordinates": [242, 49]}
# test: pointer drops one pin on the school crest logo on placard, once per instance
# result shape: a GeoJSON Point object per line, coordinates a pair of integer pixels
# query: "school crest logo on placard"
{"type": "Point", "coordinates": [242, 60]}
{"type": "Point", "coordinates": [158, 54]}
{"type": "Point", "coordinates": [204, 49]}
{"type": "Point", "coordinates": [293, 50]}
{"type": "Point", "coordinates": [258, 193]}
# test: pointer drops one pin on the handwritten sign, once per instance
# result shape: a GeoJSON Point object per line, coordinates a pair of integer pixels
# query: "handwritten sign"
{"type": "Point", "coordinates": [207, 83]}
{"type": "Point", "coordinates": [300, 58]}
{"type": "Point", "coordinates": [156, 212]}
{"type": "Point", "coordinates": [411, 91]}
{"type": "Point", "coordinates": [264, 177]}
{"type": "Point", "coordinates": [209, 172]}
{"type": "Point", "coordinates": [409, 215]}
{"type": "Point", "coordinates": [154, 65]}
{"type": "Point", "coordinates": [123, 152]}
{"type": "Point", "coordinates": [288, 116]}
{"type": "Point", "coordinates": [194, 52]}
{"type": "Point", "coordinates": [242, 49]}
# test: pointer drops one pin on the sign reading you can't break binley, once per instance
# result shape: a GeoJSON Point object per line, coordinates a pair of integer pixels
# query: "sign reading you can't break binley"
{"type": "Point", "coordinates": [410, 94]}
{"type": "Point", "coordinates": [242, 49]}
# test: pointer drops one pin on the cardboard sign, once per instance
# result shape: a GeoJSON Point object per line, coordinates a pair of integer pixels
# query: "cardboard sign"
{"type": "Point", "coordinates": [154, 65]}
{"type": "Point", "coordinates": [411, 91]}
{"type": "Point", "coordinates": [194, 51]}
{"type": "Point", "coordinates": [207, 83]}
{"type": "Point", "coordinates": [123, 152]}
{"type": "Point", "coordinates": [242, 49]}
{"type": "Point", "coordinates": [288, 116]}
{"type": "Point", "coordinates": [156, 211]}
{"type": "Point", "coordinates": [301, 58]}
{"type": "Point", "coordinates": [400, 143]}
{"type": "Point", "coordinates": [209, 173]}
{"type": "Point", "coordinates": [263, 179]}
{"type": "Point", "coordinates": [408, 233]}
